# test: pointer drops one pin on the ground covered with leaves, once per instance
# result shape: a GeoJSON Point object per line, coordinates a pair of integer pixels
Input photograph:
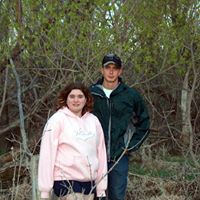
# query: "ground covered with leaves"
{"type": "Point", "coordinates": [163, 177]}
{"type": "Point", "coordinates": [167, 178]}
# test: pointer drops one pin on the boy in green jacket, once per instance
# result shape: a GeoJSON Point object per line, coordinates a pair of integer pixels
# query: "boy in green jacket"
{"type": "Point", "coordinates": [125, 121]}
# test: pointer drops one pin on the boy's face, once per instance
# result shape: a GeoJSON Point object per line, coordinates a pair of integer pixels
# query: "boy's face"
{"type": "Point", "coordinates": [111, 73]}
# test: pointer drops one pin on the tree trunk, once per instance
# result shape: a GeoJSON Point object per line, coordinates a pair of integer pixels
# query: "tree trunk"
{"type": "Point", "coordinates": [185, 109]}
{"type": "Point", "coordinates": [33, 168]}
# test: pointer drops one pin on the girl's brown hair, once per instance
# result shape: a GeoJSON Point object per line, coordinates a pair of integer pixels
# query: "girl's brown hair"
{"type": "Point", "coordinates": [62, 96]}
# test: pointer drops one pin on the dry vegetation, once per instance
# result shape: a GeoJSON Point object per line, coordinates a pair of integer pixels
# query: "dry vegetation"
{"type": "Point", "coordinates": [164, 177]}
{"type": "Point", "coordinates": [45, 44]}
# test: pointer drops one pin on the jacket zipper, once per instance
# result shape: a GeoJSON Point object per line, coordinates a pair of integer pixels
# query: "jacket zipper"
{"type": "Point", "coordinates": [109, 124]}
{"type": "Point", "coordinates": [109, 130]}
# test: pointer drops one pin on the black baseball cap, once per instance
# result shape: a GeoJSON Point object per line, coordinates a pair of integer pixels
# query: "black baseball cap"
{"type": "Point", "coordinates": [112, 59]}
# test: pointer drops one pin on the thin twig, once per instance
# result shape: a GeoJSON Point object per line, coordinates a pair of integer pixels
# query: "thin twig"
{"type": "Point", "coordinates": [21, 113]}
{"type": "Point", "coordinates": [4, 91]}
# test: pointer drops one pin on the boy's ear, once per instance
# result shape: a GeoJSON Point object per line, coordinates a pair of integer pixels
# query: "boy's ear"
{"type": "Point", "coordinates": [121, 70]}
{"type": "Point", "coordinates": [101, 70]}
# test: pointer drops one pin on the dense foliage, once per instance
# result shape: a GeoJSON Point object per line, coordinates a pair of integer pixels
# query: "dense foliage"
{"type": "Point", "coordinates": [44, 44]}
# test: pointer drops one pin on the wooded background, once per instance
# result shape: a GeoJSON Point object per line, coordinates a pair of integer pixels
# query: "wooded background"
{"type": "Point", "coordinates": [46, 43]}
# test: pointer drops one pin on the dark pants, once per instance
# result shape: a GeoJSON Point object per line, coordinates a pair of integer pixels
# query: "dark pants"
{"type": "Point", "coordinates": [64, 187]}
{"type": "Point", "coordinates": [117, 179]}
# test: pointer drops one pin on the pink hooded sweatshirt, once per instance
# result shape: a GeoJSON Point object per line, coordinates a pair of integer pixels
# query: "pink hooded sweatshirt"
{"type": "Point", "coordinates": [72, 148]}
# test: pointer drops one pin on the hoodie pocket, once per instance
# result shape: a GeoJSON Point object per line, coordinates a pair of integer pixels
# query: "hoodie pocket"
{"type": "Point", "coordinates": [68, 162]}
{"type": "Point", "coordinates": [86, 167]}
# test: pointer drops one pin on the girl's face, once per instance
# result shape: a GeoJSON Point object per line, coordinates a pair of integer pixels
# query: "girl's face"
{"type": "Point", "coordinates": [76, 101]}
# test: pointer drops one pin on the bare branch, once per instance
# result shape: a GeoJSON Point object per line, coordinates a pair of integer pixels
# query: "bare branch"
{"type": "Point", "coordinates": [4, 91]}
{"type": "Point", "coordinates": [21, 113]}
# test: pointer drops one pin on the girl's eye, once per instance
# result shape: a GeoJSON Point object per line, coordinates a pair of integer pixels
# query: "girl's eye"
{"type": "Point", "coordinates": [72, 96]}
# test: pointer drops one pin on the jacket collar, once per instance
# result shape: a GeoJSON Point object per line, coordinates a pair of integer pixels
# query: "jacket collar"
{"type": "Point", "coordinates": [97, 87]}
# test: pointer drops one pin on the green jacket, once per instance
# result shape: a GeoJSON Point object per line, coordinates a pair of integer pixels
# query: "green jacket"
{"type": "Point", "coordinates": [123, 116]}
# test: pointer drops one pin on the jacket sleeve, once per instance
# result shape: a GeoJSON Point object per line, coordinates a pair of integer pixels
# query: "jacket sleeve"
{"type": "Point", "coordinates": [47, 156]}
{"type": "Point", "coordinates": [101, 180]}
{"type": "Point", "coordinates": [138, 128]}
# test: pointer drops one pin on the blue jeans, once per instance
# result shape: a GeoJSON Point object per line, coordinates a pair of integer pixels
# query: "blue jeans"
{"type": "Point", "coordinates": [117, 179]}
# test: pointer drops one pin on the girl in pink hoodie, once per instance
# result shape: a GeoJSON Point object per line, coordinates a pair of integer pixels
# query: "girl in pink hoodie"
{"type": "Point", "coordinates": [72, 158]}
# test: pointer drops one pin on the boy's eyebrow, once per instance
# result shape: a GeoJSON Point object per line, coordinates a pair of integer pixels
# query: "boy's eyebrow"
{"type": "Point", "coordinates": [114, 66]}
